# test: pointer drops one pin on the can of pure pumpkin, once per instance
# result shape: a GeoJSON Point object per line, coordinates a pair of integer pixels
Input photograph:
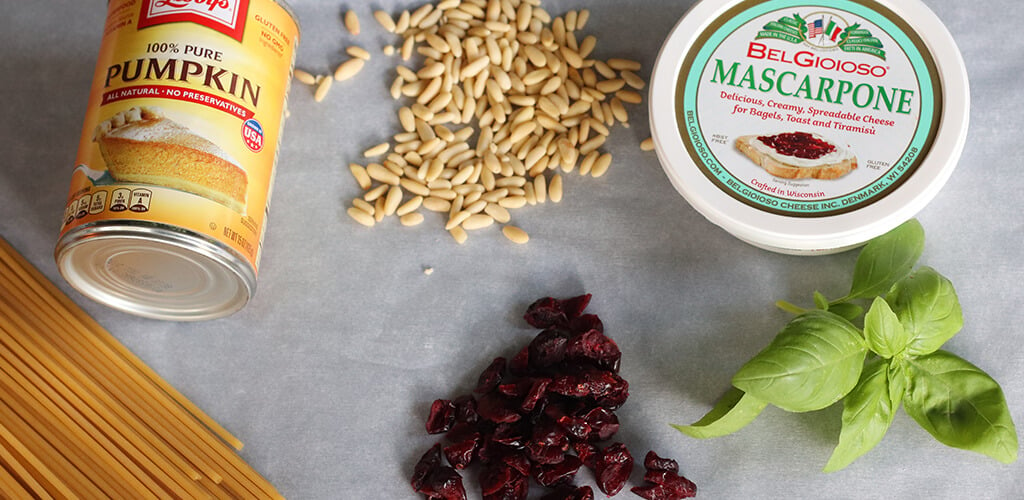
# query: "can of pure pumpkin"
{"type": "Point", "coordinates": [171, 185]}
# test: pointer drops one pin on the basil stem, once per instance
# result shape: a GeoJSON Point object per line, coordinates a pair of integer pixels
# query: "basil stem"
{"type": "Point", "coordinates": [733, 411]}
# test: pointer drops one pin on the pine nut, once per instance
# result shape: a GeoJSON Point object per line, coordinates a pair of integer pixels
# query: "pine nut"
{"type": "Point", "coordinates": [601, 165]}
{"type": "Point", "coordinates": [361, 216]}
{"type": "Point", "coordinates": [435, 204]}
{"type": "Point", "coordinates": [348, 69]}
{"type": "Point", "coordinates": [555, 188]}
{"type": "Point", "coordinates": [632, 79]}
{"type": "Point", "coordinates": [624, 64]}
{"type": "Point", "coordinates": [512, 202]}
{"type": "Point", "coordinates": [393, 200]}
{"type": "Point", "coordinates": [385, 20]}
{"type": "Point", "coordinates": [459, 234]}
{"type": "Point", "coordinates": [322, 88]}
{"type": "Point", "coordinates": [359, 173]}
{"type": "Point", "coordinates": [358, 52]}
{"type": "Point", "coordinates": [515, 235]}
{"type": "Point", "coordinates": [376, 193]}
{"type": "Point", "coordinates": [377, 150]}
{"type": "Point", "coordinates": [457, 219]}
{"type": "Point", "coordinates": [647, 144]}
{"type": "Point", "coordinates": [352, 22]}
{"type": "Point", "coordinates": [409, 206]}
{"type": "Point", "coordinates": [304, 77]}
{"type": "Point", "coordinates": [477, 221]}
{"type": "Point", "coordinates": [411, 219]}
{"type": "Point", "coordinates": [363, 205]}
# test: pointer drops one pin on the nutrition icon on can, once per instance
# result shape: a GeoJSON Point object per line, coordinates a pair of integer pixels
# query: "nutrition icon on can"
{"type": "Point", "coordinates": [171, 185]}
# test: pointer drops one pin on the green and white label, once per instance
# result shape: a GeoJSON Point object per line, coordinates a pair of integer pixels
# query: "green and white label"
{"type": "Point", "coordinates": [847, 75]}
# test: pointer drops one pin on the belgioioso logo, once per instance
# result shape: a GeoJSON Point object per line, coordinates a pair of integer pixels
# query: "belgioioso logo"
{"type": "Point", "coordinates": [824, 30]}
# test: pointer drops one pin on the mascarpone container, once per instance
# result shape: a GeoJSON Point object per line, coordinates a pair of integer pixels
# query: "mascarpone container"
{"type": "Point", "coordinates": [809, 127]}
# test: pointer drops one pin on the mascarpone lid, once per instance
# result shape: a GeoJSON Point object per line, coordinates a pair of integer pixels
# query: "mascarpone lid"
{"type": "Point", "coordinates": [882, 81]}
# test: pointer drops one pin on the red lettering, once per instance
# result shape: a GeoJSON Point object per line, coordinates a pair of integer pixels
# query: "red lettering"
{"type": "Point", "coordinates": [756, 50]}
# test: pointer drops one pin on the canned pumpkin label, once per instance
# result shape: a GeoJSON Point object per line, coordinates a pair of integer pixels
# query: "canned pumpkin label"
{"type": "Point", "coordinates": [184, 118]}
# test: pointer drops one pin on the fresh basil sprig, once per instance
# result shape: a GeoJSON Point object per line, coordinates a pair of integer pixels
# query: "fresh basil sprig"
{"type": "Point", "coordinates": [822, 357]}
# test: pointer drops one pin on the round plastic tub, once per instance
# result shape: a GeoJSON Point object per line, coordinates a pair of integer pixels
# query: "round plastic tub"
{"type": "Point", "coordinates": [809, 127]}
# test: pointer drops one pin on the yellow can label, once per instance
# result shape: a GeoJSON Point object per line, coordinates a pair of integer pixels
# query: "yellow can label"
{"type": "Point", "coordinates": [184, 118]}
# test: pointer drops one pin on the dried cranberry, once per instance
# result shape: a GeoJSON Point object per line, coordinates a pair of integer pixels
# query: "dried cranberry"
{"type": "Point", "coordinates": [518, 461]}
{"type": "Point", "coordinates": [577, 428]}
{"type": "Point", "coordinates": [654, 492]}
{"type": "Point", "coordinates": [444, 484]}
{"type": "Point", "coordinates": [653, 462]}
{"type": "Point", "coordinates": [516, 487]}
{"type": "Point", "coordinates": [462, 451]}
{"type": "Point", "coordinates": [586, 322]}
{"type": "Point", "coordinates": [548, 443]}
{"type": "Point", "coordinates": [594, 347]}
{"type": "Point", "coordinates": [613, 468]}
{"type": "Point", "coordinates": [510, 434]}
{"type": "Point", "coordinates": [571, 385]}
{"type": "Point", "coordinates": [573, 308]}
{"type": "Point", "coordinates": [493, 477]}
{"type": "Point", "coordinates": [569, 492]}
{"type": "Point", "coordinates": [537, 390]}
{"type": "Point", "coordinates": [548, 348]}
{"type": "Point", "coordinates": [602, 422]}
{"type": "Point", "coordinates": [665, 482]}
{"type": "Point", "coordinates": [588, 453]}
{"type": "Point", "coordinates": [545, 313]}
{"type": "Point", "coordinates": [491, 376]}
{"type": "Point", "coordinates": [435, 480]}
{"type": "Point", "coordinates": [498, 409]}
{"type": "Point", "coordinates": [429, 462]}
{"type": "Point", "coordinates": [465, 409]}
{"type": "Point", "coordinates": [442, 416]}
{"type": "Point", "coordinates": [545, 454]}
{"type": "Point", "coordinates": [675, 483]}
{"type": "Point", "coordinates": [520, 363]}
{"type": "Point", "coordinates": [516, 388]}
{"type": "Point", "coordinates": [555, 474]}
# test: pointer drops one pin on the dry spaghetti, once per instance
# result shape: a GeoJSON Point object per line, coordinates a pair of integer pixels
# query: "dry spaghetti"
{"type": "Point", "coordinates": [82, 417]}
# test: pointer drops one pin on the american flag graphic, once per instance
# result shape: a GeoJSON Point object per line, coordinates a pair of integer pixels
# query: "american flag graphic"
{"type": "Point", "coordinates": [816, 29]}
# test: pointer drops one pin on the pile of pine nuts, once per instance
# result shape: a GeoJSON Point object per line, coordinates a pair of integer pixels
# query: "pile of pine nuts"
{"type": "Point", "coordinates": [505, 101]}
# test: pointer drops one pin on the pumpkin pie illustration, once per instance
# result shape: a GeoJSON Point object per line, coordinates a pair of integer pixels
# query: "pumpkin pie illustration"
{"type": "Point", "coordinates": [141, 145]}
{"type": "Point", "coordinates": [798, 155]}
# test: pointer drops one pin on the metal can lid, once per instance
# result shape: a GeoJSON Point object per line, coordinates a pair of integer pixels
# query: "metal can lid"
{"type": "Point", "coordinates": [155, 273]}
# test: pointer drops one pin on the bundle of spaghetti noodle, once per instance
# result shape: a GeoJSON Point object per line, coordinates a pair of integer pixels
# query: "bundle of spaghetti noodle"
{"type": "Point", "coordinates": [83, 417]}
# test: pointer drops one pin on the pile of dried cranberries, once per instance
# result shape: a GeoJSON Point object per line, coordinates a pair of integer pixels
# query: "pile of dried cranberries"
{"type": "Point", "coordinates": [542, 414]}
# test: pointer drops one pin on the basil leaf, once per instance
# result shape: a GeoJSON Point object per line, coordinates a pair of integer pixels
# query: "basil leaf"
{"type": "Point", "coordinates": [883, 330]}
{"type": "Point", "coordinates": [813, 362]}
{"type": "Point", "coordinates": [928, 308]}
{"type": "Point", "coordinates": [731, 413]}
{"type": "Point", "coordinates": [886, 259]}
{"type": "Point", "coordinates": [868, 412]}
{"type": "Point", "coordinates": [846, 310]}
{"type": "Point", "coordinates": [960, 405]}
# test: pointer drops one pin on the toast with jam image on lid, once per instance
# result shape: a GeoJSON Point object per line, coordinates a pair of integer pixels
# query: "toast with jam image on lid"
{"type": "Point", "coordinates": [141, 145]}
{"type": "Point", "coordinates": [798, 155]}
